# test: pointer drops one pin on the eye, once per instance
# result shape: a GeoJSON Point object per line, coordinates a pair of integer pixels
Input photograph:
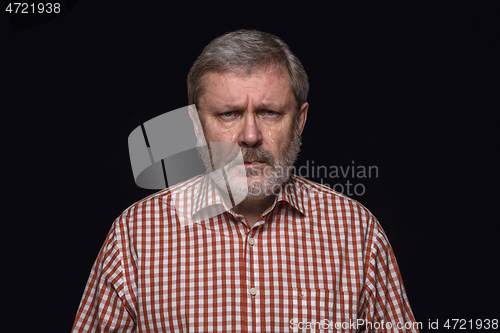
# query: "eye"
{"type": "Point", "coordinates": [227, 114]}
{"type": "Point", "coordinates": [270, 113]}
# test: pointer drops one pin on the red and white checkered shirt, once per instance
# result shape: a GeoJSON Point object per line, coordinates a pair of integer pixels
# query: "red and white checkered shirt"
{"type": "Point", "coordinates": [316, 260]}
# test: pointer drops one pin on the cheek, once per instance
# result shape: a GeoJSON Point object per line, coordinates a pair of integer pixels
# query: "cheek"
{"type": "Point", "coordinates": [277, 144]}
{"type": "Point", "coordinates": [217, 134]}
{"type": "Point", "coordinates": [270, 135]}
{"type": "Point", "coordinates": [226, 135]}
{"type": "Point", "coordinates": [278, 137]}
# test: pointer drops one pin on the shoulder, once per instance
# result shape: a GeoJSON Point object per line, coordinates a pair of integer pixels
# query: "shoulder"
{"type": "Point", "coordinates": [326, 200]}
{"type": "Point", "coordinates": [151, 206]}
{"type": "Point", "coordinates": [321, 192]}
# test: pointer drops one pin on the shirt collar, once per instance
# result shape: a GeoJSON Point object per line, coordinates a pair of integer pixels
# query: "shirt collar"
{"type": "Point", "coordinates": [198, 199]}
{"type": "Point", "coordinates": [295, 194]}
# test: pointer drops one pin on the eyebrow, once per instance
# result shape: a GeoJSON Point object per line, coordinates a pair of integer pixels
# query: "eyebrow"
{"type": "Point", "coordinates": [263, 106]}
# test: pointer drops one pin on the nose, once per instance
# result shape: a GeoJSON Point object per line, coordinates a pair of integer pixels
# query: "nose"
{"type": "Point", "coordinates": [250, 134]}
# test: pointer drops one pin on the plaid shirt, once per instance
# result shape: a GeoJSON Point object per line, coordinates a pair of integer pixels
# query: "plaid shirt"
{"type": "Point", "coordinates": [315, 260]}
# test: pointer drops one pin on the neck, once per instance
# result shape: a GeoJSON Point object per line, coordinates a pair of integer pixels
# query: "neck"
{"type": "Point", "coordinates": [252, 209]}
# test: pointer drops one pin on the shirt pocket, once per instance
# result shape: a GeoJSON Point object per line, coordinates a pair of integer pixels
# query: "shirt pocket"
{"type": "Point", "coordinates": [322, 310]}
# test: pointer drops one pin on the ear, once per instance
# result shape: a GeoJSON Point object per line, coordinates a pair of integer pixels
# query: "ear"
{"type": "Point", "coordinates": [303, 116]}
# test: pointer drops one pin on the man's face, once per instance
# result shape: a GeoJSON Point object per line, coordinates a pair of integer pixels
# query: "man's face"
{"type": "Point", "coordinates": [256, 112]}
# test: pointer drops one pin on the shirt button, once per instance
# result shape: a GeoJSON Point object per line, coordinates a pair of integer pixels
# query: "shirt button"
{"type": "Point", "coordinates": [253, 291]}
{"type": "Point", "coordinates": [251, 241]}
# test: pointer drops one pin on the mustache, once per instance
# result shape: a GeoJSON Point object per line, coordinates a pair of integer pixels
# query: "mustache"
{"type": "Point", "coordinates": [252, 154]}
{"type": "Point", "coordinates": [258, 154]}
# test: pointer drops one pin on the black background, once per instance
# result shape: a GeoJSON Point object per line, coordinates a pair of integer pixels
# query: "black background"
{"type": "Point", "coordinates": [388, 89]}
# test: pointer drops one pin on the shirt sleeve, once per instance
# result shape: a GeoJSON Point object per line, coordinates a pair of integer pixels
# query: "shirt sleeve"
{"type": "Point", "coordinates": [105, 305]}
{"type": "Point", "coordinates": [384, 305]}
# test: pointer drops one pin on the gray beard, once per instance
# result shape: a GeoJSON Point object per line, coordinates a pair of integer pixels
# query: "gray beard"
{"type": "Point", "coordinates": [277, 170]}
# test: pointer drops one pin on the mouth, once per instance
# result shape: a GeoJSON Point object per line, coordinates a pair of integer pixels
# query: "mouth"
{"type": "Point", "coordinates": [253, 164]}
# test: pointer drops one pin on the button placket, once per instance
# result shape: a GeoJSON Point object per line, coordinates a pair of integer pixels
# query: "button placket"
{"type": "Point", "coordinates": [251, 240]}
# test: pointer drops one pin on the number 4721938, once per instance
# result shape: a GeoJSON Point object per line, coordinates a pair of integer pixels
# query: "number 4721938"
{"type": "Point", "coordinates": [462, 324]}
{"type": "Point", "coordinates": [31, 8]}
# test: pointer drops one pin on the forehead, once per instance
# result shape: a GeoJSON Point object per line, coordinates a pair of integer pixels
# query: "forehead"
{"type": "Point", "coordinates": [264, 86]}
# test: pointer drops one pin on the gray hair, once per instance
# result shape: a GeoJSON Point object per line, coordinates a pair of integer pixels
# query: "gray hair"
{"type": "Point", "coordinates": [243, 51]}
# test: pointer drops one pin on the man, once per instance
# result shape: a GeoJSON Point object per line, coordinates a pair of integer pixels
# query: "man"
{"type": "Point", "coordinates": [293, 255]}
